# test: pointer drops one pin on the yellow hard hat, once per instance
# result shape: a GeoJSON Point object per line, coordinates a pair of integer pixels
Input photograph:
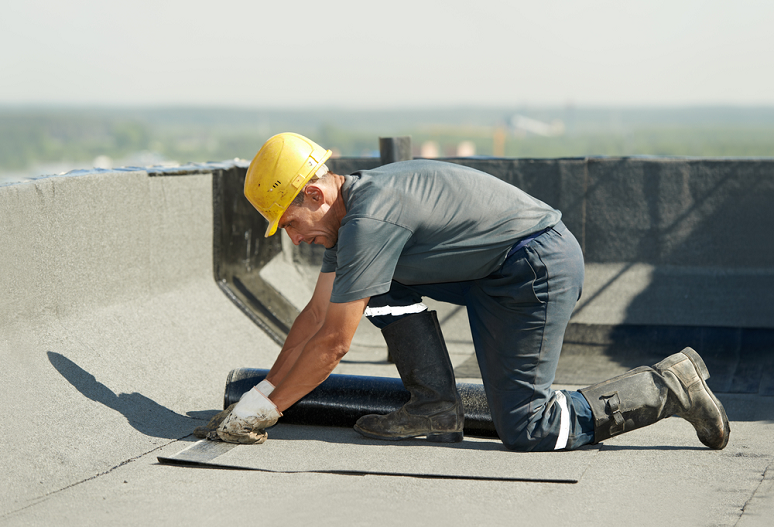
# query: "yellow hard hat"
{"type": "Point", "coordinates": [283, 165]}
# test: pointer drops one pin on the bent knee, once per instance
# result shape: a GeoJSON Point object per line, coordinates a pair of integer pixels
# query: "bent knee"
{"type": "Point", "coordinates": [519, 441]}
{"type": "Point", "coordinates": [527, 439]}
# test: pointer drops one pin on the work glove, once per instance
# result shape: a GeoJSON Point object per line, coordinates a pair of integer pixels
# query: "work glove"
{"type": "Point", "coordinates": [246, 422]}
{"type": "Point", "coordinates": [210, 431]}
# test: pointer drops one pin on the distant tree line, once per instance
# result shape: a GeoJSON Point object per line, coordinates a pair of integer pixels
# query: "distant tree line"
{"type": "Point", "coordinates": [33, 135]}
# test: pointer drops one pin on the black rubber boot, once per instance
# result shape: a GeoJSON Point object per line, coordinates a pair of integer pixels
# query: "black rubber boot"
{"type": "Point", "coordinates": [435, 409]}
{"type": "Point", "coordinates": [640, 397]}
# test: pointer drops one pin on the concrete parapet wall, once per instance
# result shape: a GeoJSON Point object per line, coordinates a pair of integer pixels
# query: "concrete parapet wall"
{"type": "Point", "coordinates": [72, 243]}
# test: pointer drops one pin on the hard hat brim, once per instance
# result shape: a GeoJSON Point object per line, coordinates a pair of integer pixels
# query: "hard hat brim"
{"type": "Point", "coordinates": [272, 228]}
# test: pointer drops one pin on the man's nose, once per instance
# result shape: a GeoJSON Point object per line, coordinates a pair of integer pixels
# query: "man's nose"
{"type": "Point", "coordinates": [294, 237]}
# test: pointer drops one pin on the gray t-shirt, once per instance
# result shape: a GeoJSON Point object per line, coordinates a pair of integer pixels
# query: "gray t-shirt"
{"type": "Point", "coordinates": [423, 222]}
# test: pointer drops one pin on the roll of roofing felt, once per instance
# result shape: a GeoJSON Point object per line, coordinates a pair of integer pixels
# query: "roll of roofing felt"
{"type": "Point", "coordinates": [342, 399]}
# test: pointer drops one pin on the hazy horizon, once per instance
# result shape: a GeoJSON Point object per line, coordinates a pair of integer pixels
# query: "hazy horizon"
{"type": "Point", "coordinates": [44, 139]}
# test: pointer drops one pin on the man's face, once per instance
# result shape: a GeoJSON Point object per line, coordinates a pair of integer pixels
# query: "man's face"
{"type": "Point", "coordinates": [309, 223]}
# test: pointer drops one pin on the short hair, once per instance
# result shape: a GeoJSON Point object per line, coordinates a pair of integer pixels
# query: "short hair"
{"type": "Point", "coordinates": [321, 173]}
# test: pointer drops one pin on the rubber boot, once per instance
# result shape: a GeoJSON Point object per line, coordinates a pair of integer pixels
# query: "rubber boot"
{"type": "Point", "coordinates": [435, 409]}
{"type": "Point", "coordinates": [640, 397]}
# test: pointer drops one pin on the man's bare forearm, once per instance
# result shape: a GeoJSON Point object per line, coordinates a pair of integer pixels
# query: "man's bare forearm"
{"type": "Point", "coordinates": [314, 364]}
{"type": "Point", "coordinates": [321, 354]}
{"type": "Point", "coordinates": [307, 323]}
{"type": "Point", "coordinates": [304, 327]}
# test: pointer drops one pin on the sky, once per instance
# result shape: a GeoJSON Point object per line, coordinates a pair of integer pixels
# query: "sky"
{"type": "Point", "coordinates": [380, 55]}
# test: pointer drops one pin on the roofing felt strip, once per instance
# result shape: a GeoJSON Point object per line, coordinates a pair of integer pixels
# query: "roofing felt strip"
{"type": "Point", "coordinates": [314, 449]}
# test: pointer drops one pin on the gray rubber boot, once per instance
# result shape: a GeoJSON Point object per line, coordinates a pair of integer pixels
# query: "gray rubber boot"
{"type": "Point", "coordinates": [435, 409]}
{"type": "Point", "coordinates": [640, 397]}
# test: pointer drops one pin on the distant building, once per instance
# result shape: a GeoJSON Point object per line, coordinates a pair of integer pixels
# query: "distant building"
{"type": "Point", "coordinates": [523, 125]}
{"type": "Point", "coordinates": [466, 149]}
{"type": "Point", "coordinates": [429, 149]}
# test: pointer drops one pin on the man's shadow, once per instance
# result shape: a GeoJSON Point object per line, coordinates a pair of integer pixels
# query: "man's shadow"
{"type": "Point", "coordinates": [143, 414]}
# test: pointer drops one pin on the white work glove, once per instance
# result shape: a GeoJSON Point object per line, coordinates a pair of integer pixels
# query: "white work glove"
{"type": "Point", "coordinates": [251, 415]}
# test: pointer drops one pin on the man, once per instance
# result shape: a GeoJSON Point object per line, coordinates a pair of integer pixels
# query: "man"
{"type": "Point", "coordinates": [425, 228]}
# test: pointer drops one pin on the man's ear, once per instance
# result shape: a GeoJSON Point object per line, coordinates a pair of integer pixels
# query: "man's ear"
{"type": "Point", "coordinates": [314, 193]}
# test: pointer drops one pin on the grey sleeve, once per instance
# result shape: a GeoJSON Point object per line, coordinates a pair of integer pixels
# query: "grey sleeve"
{"type": "Point", "coordinates": [329, 260]}
{"type": "Point", "coordinates": [368, 251]}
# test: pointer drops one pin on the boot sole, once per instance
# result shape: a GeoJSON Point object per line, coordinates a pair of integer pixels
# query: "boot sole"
{"type": "Point", "coordinates": [435, 437]}
{"type": "Point", "coordinates": [698, 363]}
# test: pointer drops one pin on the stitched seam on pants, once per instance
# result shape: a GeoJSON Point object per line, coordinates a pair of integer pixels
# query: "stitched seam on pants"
{"type": "Point", "coordinates": [545, 318]}
{"type": "Point", "coordinates": [528, 250]}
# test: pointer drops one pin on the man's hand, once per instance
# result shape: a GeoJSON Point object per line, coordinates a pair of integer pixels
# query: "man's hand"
{"type": "Point", "coordinates": [250, 416]}
{"type": "Point", "coordinates": [211, 430]}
